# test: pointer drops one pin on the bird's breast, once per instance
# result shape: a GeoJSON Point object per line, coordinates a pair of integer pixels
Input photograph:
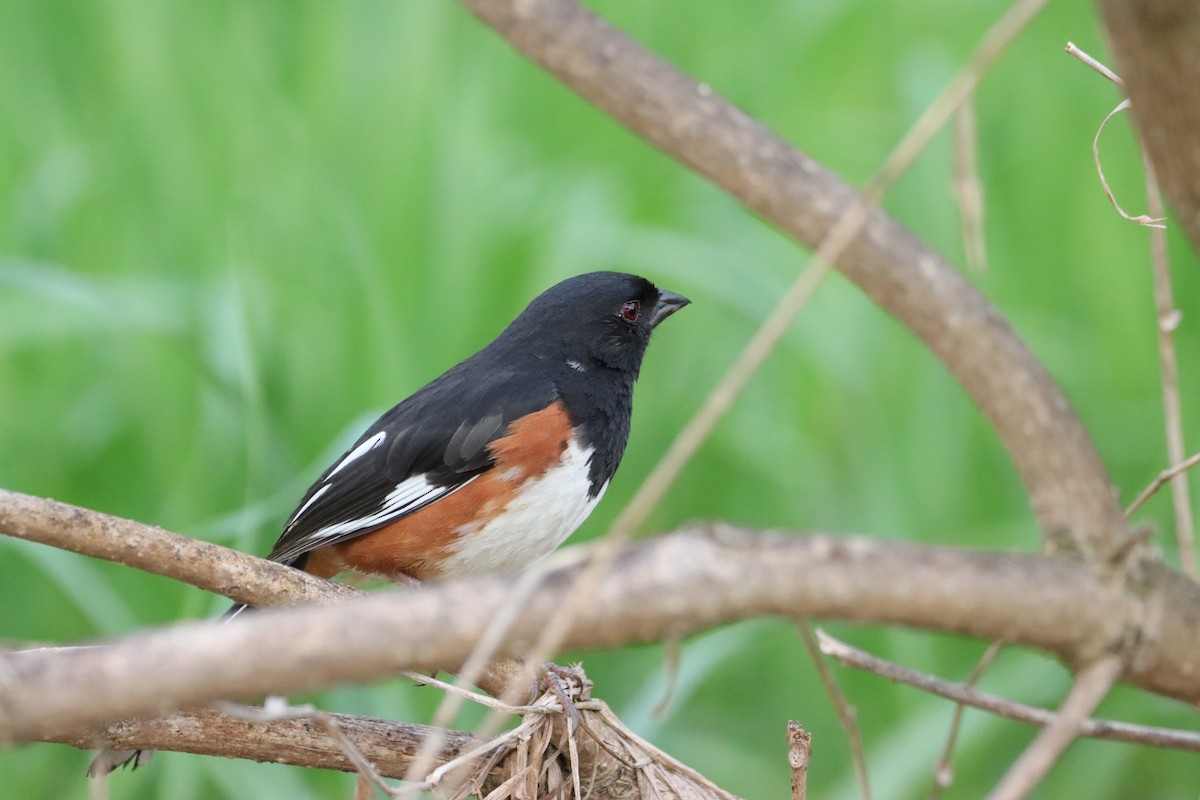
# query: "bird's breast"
{"type": "Point", "coordinates": [542, 510]}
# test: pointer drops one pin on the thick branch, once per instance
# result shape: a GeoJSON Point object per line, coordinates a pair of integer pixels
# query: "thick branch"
{"type": "Point", "coordinates": [238, 576]}
{"type": "Point", "coordinates": [390, 746]}
{"type": "Point", "coordinates": [674, 585]}
{"type": "Point", "coordinates": [1068, 487]}
{"type": "Point", "coordinates": [1157, 48]}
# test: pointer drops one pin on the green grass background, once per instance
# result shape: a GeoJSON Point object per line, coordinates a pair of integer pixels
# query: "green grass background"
{"type": "Point", "coordinates": [232, 232]}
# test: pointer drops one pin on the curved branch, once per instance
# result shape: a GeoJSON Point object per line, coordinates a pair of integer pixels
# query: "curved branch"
{"type": "Point", "coordinates": [1067, 483]}
{"type": "Point", "coordinates": [673, 585]}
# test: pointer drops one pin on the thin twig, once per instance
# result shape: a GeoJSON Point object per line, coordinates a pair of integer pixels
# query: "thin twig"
{"type": "Point", "coordinates": [98, 787]}
{"type": "Point", "coordinates": [467, 694]}
{"type": "Point", "coordinates": [1003, 707]}
{"type": "Point", "coordinates": [1092, 684]}
{"type": "Point", "coordinates": [1140, 219]}
{"type": "Point", "coordinates": [368, 773]}
{"type": "Point", "coordinates": [483, 749]}
{"type": "Point", "coordinates": [847, 715]}
{"type": "Point", "coordinates": [943, 773]}
{"type": "Point", "coordinates": [435, 777]}
{"type": "Point", "coordinates": [1168, 321]}
{"type": "Point", "coordinates": [1159, 480]}
{"type": "Point", "coordinates": [968, 188]}
{"type": "Point", "coordinates": [573, 753]}
{"type": "Point", "coordinates": [506, 789]}
{"type": "Point", "coordinates": [672, 654]}
{"type": "Point", "coordinates": [1074, 50]}
{"type": "Point", "coordinates": [1158, 219]}
{"type": "Point", "coordinates": [1143, 220]}
{"type": "Point", "coordinates": [799, 751]}
{"type": "Point", "coordinates": [1154, 43]}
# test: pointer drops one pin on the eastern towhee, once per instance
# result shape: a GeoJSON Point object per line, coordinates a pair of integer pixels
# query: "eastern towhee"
{"type": "Point", "coordinates": [492, 465]}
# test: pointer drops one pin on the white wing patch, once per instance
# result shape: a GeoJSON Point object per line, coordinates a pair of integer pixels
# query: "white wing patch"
{"type": "Point", "coordinates": [408, 495]}
{"type": "Point", "coordinates": [547, 510]}
{"type": "Point", "coordinates": [358, 452]}
{"type": "Point", "coordinates": [316, 496]}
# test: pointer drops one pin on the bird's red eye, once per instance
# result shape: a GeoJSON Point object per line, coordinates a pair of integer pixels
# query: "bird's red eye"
{"type": "Point", "coordinates": [631, 310]}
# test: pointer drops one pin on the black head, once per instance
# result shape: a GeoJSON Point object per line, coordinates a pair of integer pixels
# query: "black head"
{"type": "Point", "coordinates": [599, 319]}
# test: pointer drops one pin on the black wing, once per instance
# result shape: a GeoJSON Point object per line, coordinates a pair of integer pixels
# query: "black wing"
{"type": "Point", "coordinates": [428, 446]}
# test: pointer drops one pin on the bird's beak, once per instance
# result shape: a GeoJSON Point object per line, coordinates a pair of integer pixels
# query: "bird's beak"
{"type": "Point", "coordinates": [668, 303]}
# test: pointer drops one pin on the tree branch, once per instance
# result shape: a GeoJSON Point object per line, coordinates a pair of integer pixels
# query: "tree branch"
{"type": "Point", "coordinates": [1067, 484]}
{"type": "Point", "coordinates": [389, 745]}
{"type": "Point", "coordinates": [208, 566]}
{"type": "Point", "coordinates": [1058, 605]}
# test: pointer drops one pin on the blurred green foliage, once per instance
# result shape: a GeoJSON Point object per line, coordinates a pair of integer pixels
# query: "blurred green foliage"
{"type": "Point", "coordinates": [234, 231]}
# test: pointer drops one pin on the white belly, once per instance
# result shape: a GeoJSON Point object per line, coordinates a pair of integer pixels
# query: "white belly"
{"type": "Point", "coordinates": [547, 510]}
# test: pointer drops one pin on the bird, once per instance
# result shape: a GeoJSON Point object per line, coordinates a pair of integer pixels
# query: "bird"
{"type": "Point", "coordinates": [492, 465]}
